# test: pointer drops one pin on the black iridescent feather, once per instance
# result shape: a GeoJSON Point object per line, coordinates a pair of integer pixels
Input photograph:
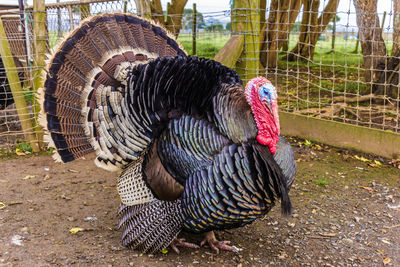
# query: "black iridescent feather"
{"type": "Point", "coordinates": [123, 87]}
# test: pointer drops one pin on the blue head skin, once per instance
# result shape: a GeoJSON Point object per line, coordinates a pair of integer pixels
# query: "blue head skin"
{"type": "Point", "coordinates": [267, 94]}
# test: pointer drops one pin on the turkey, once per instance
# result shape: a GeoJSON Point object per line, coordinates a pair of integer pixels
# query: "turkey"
{"type": "Point", "coordinates": [197, 151]}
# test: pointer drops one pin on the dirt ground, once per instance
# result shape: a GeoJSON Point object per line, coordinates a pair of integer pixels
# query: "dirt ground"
{"type": "Point", "coordinates": [346, 213]}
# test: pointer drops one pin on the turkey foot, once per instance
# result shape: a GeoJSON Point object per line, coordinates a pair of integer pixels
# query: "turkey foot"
{"type": "Point", "coordinates": [216, 245]}
{"type": "Point", "coordinates": [180, 242]}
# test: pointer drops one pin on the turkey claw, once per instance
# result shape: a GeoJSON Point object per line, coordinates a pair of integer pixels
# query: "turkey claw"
{"type": "Point", "coordinates": [180, 242]}
{"type": "Point", "coordinates": [217, 245]}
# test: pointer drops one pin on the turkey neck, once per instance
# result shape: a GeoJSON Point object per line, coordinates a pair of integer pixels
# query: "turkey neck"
{"type": "Point", "coordinates": [167, 88]}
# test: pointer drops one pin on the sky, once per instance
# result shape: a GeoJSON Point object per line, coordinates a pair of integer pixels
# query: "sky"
{"type": "Point", "coordinates": [347, 19]}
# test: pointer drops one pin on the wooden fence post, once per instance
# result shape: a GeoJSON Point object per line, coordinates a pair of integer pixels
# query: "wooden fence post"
{"type": "Point", "coordinates": [59, 22]}
{"type": "Point", "coordinates": [357, 43]}
{"type": "Point", "coordinates": [39, 48]}
{"type": "Point", "coordinates": [333, 34]}
{"type": "Point", "coordinates": [246, 21]}
{"type": "Point", "coordinates": [125, 6]}
{"type": "Point", "coordinates": [71, 18]}
{"type": "Point", "coordinates": [194, 30]}
{"type": "Point", "coordinates": [383, 20]}
{"type": "Point", "coordinates": [16, 89]}
{"type": "Point", "coordinates": [231, 51]}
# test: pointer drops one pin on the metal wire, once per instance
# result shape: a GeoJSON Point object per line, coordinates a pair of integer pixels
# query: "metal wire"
{"type": "Point", "coordinates": [329, 85]}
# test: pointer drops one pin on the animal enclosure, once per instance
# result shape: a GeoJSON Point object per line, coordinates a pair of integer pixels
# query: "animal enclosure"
{"type": "Point", "coordinates": [313, 54]}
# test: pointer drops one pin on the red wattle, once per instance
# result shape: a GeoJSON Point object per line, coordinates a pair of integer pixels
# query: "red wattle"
{"type": "Point", "coordinates": [267, 141]}
{"type": "Point", "coordinates": [263, 140]}
{"type": "Point", "coordinates": [267, 120]}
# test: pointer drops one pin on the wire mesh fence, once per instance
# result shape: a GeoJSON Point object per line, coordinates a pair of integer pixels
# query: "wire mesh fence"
{"type": "Point", "coordinates": [309, 50]}
{"type": "Point", "coordinates": [60, 19]}
{"type": "Point", "coordinates": [320, 58]}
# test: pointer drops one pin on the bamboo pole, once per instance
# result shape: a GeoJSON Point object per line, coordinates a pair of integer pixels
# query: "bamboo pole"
{"type": "Point", "coordinates": [246, 21]}
{"type": "Point", "coordinates": [16, 89]}
{"type": "Point", "coordinates": [194, 29]}
{"type": "Point", "coordinates": [39, 48]}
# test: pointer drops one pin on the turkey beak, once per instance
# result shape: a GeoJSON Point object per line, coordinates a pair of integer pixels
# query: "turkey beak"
{"type": "Point", "coordinates": [268, 105]}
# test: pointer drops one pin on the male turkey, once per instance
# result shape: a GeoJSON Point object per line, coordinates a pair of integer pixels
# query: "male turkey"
{"type": "Point", "coordinates": [195, 148]}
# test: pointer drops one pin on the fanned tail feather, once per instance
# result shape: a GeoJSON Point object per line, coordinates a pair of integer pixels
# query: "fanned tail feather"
{"type": "Point", "coordinates": [84, 83]}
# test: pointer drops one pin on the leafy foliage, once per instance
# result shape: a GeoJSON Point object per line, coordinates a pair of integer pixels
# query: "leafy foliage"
{"type": "Point", "coordinates": [187, 19]}
{"type": "Point", "coordinates": [215, 27]}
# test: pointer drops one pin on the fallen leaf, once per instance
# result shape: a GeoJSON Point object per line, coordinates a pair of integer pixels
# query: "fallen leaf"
{"type": "Point", "coordinates": [376, 164]}
{"type": "Point", "coordinates": [307, 143]}
{"type": "Point", "coordinates": [76, 230]}
{"type": "Point", "coordinates": [313, 211]}
{"type": "Point", "coordinates": [379, 251]}
{"type": "Point", "coordinates": [2, 205]}
{"type": "Point", "coordinates": [361, 159]}
{"type": "Point", "coordinates": [109, 187]}
{"type": "Point", "coordinates": [386, 261]}
{"type": "Point", "coordinates": [383, 231]}
{"type": "Point", "coordinates": [367, 188]}
{"type": "Point", "coordinates": [373, 165]}
{"type": "Point", "coordinates": [164, 251]}
{"type": "Point", "coordinates": [19, 152]}
{"type": "Point", "coordinates": [318, 147]}
{"type": "Point", "coordinates": [29, 177]}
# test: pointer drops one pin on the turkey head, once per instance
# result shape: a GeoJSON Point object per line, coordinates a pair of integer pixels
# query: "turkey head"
{"type": "Point", "coordinates": [262, 97]}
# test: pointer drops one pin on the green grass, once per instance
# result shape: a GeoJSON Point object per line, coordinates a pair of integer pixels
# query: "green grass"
{"type": "Point", "coordinates": [321, 182]}
{"type": "Point", "coordinates": [53, 39]}
{"type": "Point", "coordinates": [326, 73]}
{"type": "Point", "coordinates": [207, 44]}
{"type": "Point", "coordinates": [24, 147]}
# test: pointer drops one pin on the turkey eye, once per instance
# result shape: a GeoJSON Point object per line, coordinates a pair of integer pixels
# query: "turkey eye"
{"type": "Point", "coordinates": [265, 94]}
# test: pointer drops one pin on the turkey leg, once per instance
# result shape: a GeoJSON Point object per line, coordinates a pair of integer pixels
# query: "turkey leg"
{"type": "Point", "coordinates": [216, 245]}
{"type": "Point", "coordinates": [180, 242]}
